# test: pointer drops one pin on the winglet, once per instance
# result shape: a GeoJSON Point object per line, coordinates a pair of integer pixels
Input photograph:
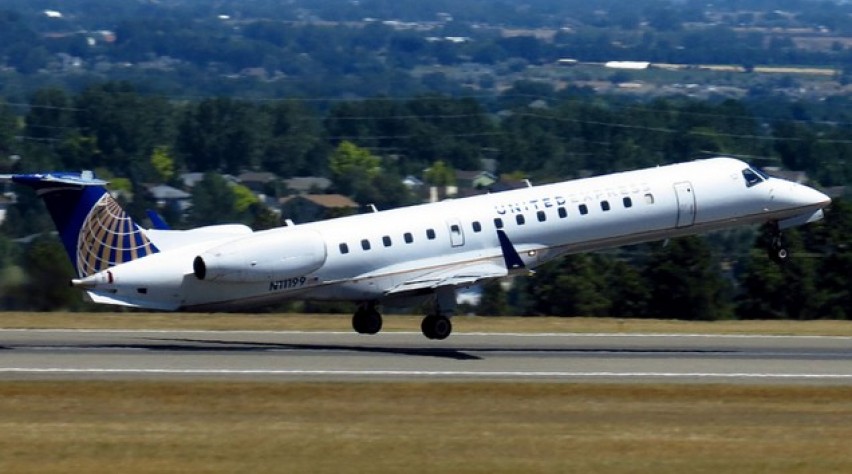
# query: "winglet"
{"type": "Point", "coordinates": [510, 255]}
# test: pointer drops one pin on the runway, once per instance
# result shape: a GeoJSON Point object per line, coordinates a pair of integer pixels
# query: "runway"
{"type": "Point", "coordinates": [396, 356]}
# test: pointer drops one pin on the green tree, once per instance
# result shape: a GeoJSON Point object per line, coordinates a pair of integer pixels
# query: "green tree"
{"type": "Point", "coordinates": [46, 286]}
{"type": "Point", "coordinates": [570, 286]}
{"type": "Point", "coordinates": [126, 128]}
{"type": "Point", "coordinates": [686, 282]}
{"type": "Point", "coordinates": [163, 163]}
{"type": "Point", "coordinates": [627, 289]}
{"type": "Point", "coordinates": [51, 116]}
{"type": "Point", "coordinates": [213, 202]}
{"type": "Point", "coordinates": [219, 135]}
{"type": "Point", "coordinates": [8, 128]}
{"type": "Point", "coordinates": [293, 146]}
{"type": "Point", "coordinates": [772, 291]}
{"type": "Point", "coordinates": [243, 198]}
{"type": "Point", "coordinates": [829, 241]}
{"type": "Point", "coordinates": [493, 301]}
{"type": "Point", "coordinates": [352, 167]}
{"type": "Point", "coordinates": [440, 174]}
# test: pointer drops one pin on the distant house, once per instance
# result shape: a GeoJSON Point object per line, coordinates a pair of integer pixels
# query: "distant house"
{"type": "Point", "coordinates": [169, 197]}
{"type": "Point", "coordinates": [189, 180]}
{"type": "Point", "coordinates": [475, 179]}
{"type": "Point", "coordinates": [256, 180]}
{"type": "Point", "coordinates": [313, 207]}
{"type": "Point", "coordinates": [412, 182]}
{"type": "Point", "coordinates": [308, 184]}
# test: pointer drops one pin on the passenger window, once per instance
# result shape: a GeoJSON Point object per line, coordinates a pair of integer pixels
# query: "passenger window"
{"type": "Point", "coordinates": [477, 227]}
{"type": "Point", "coordinates": [583, 209]}
{"type": "Point", "coordinates": [408, 237]}
{"type": "Point", "coordinates": [430, 234]}
{"type": "Point", "coordinates": [605, 205]}
{"type": "Point", "coordinates": [628, 203]}
{"type": "Point", "coordinates": [365, 244]}
{"type": "Point", "coordinates": [386, 240]}
{"type": "Point", "coordinates": [562, 213]}
{"type": "Point", "coordinates": [520, 219]}
{"type": "Point", "coordinates": [649, 199]}
{"type": "Point", "coordinates": [541, 216]}
{"type": "Point", "coordinates": [498, 223]}
{"type": "Point", "coordinates": [344, 249]}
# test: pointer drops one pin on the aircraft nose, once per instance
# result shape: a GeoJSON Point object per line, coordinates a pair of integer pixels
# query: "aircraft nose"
{"type": "Point", "coordinates": [804, 196]}
{"type": "Point", "coordinates": [814, 197]}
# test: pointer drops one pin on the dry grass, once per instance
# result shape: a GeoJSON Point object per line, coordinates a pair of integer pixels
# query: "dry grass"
{"type": "Point", "coordinates": [262, 322]}
{"type": "Point", "coordinates": [133, 427]}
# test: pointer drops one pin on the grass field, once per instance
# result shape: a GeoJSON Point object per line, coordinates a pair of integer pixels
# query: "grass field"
{"type": "Point", "coordinates": [134, 427]}
{"type": "Point", "coordinates": [341, 322]}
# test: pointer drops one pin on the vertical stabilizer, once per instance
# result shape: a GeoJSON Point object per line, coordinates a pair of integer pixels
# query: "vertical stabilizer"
{"type": "Point", "coordinates": [95, 230]}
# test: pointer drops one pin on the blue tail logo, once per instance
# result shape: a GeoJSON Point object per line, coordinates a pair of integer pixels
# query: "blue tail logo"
{"type": "Point", "coordinates": [95, 230]}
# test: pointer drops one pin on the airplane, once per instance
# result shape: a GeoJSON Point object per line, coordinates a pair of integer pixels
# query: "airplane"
{"type": "Point", "coordinates": [410, 254]}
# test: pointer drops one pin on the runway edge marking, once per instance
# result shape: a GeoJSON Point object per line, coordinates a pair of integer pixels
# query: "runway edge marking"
{"type": "Point", "coordinates": [421, 373]}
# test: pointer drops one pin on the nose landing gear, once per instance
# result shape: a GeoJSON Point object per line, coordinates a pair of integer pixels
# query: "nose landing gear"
{"type": "Point", "coordinates": [777, 249]}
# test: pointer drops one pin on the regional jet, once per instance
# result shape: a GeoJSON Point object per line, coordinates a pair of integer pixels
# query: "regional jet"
{"type": "Point", "coordinates": [403, 256]}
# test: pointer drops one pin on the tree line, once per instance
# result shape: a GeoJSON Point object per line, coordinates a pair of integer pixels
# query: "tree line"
{"type": "Point", "coordinates": [366, 147]}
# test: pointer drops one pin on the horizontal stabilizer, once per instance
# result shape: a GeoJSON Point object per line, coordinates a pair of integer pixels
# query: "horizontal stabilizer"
{"type": "Point", "coordinates": [38, 180]}
{"type": "Point", "coordinates": [103, 298]}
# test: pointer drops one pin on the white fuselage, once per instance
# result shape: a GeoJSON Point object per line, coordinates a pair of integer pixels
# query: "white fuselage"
{"type": "Point", "coordinates": [365, 257]}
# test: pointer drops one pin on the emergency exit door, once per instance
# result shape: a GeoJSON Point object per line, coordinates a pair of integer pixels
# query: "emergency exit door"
{"type": "Point", "coordinates": [685, 204]}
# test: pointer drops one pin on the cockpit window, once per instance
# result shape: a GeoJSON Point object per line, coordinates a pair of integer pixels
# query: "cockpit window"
{"type": "Point", "coordinates": [753, 177]}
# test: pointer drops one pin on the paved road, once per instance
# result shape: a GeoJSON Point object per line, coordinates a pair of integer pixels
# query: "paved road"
{"type": "Point", "coordinates": [253, 355]}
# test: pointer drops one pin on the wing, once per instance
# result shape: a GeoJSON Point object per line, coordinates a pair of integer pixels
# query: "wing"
{"type": "Point", "coordinates": [455, 277]}
{"type": "Point", "coordinates": [463, 275]}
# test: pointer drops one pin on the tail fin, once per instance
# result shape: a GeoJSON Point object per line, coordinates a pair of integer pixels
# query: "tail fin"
{"type": "Point", "coordinates": [96, 232]}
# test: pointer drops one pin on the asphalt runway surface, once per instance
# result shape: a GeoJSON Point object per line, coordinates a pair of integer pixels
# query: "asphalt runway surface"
{"type": "Point", "coordinates": [398, 356]}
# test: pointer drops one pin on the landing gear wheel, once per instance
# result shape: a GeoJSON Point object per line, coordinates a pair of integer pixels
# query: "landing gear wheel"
{"type": "Point", "coordinates": [778, 252]}
{"type": "Point", "coordinates": [436, 327]}
{"type": "Point", "coordinates": [780, 255]}
{"type": "Point", "coordinates": [367, 320]}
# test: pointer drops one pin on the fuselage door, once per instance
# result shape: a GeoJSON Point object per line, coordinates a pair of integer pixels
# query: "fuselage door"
{"type": "Point", "coordinates": [685, 204]}
{"type": "Point", "coordinates": [456, 232]}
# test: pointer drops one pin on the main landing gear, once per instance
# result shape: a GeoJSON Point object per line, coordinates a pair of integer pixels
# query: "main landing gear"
{"type": "Point", "coordinates": [777, 249]}
{"type": "Point", "coordinates": [367, 319]}
{"type": "Point", "coordinates": [436, 325]}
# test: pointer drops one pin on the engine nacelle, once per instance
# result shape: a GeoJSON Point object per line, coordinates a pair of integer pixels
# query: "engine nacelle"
{"type": "Point", "coordinates": [267, 256]}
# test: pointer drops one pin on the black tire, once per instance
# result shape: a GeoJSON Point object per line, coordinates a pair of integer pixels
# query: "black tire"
{"type": "Point", "coordinates": [436, 327]}
{"type": "Point", "coordinates": [426, 327]}
{"type": "Point", "coordinates": [367, 322]}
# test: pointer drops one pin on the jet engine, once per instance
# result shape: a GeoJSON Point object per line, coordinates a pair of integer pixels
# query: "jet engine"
{"type": "Point", "coordinates": [266, 256]}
